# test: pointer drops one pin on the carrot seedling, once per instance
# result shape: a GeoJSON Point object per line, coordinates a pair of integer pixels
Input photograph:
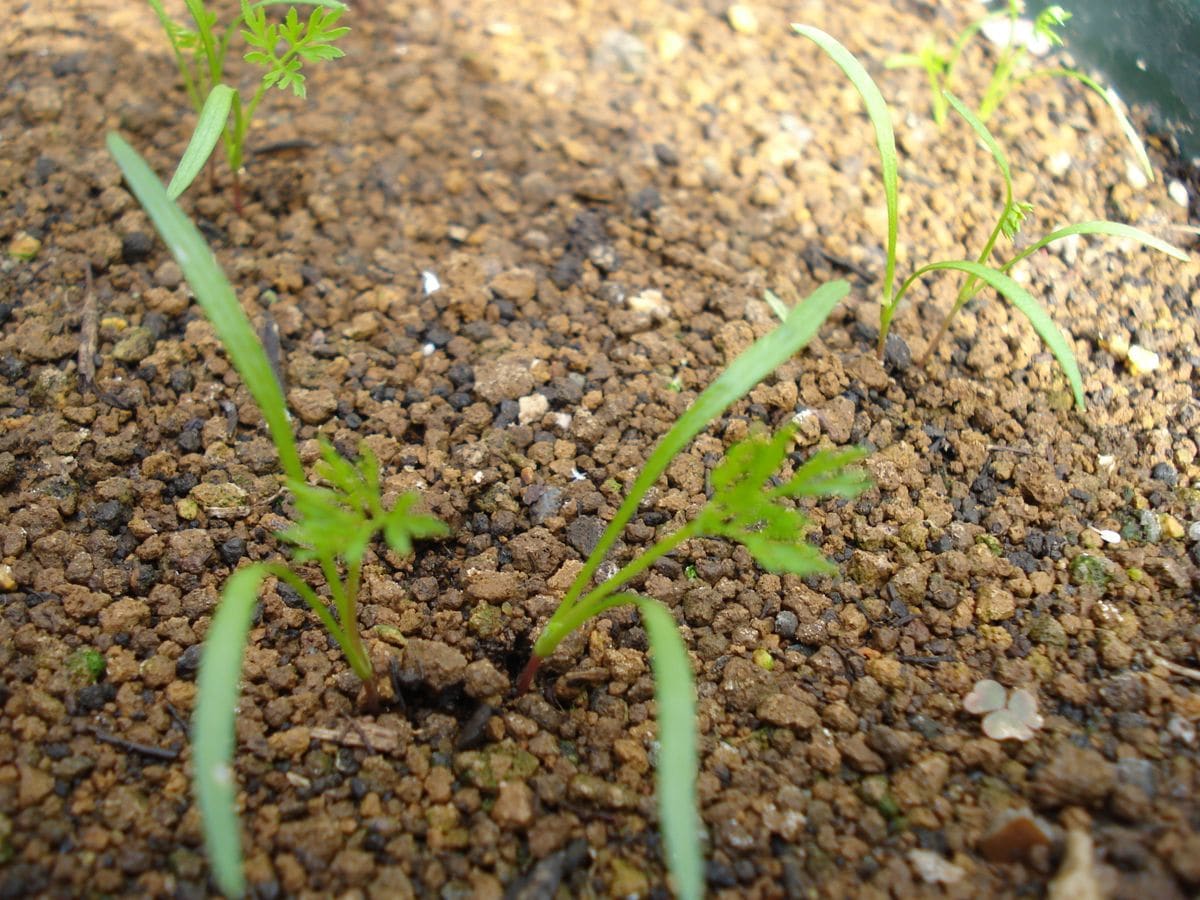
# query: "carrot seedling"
{"type": "Point", "coordinates": [748, 505]}
{"type": "Point", "coordinates": [1012, 68]}
{"type": "Point", "coordinates": [279, 49]}
{"type": "Point", "coordinates": [980, 269]}
{"type": "Point", "coordinates": [334, 524]}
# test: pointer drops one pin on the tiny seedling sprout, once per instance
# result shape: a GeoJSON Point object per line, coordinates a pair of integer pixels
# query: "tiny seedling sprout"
{"type": "Point", "coordinates": [748, 505]}
{"type": "Point", "coordinates": [1012, 68]}
{"type": "Point", "coordinates": [980, 271]}
{"type": "Point", "coordinates": [279, 49]}
{"type": "Point", "coordinates": [333, 527]}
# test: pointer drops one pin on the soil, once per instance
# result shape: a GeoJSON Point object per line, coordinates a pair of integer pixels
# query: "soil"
{"type": "Point", "coordinates": [603, 191]}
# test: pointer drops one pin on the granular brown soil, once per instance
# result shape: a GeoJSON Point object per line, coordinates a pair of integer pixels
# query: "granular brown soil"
{"type": "Point", "coordinates": [603, 191]}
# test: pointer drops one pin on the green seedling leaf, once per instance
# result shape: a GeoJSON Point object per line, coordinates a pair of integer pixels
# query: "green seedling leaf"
{"type": "Point", "coordinates": [341, 520]}
{"type": "Point", "coordinates": [1112, 229]}
{"type": "Point", "coordinates": [218, 686]}
{"type": "Point", "coordinates": [777, 306]}
{"type": "Point", "coordinates": [885, 140]}
{"type": "Point", "coordinates": [1113, 101]}
{"type": "Point", "coordinates": [312, 40]}
{"type": "Point", "coordinates": [1029, 307]}
{"type": "Point", "coordinates": [209, 129]}
{"type": "Point", "coordinates": [982, 132]}
{"type": "Point", "coordinates": [751, 367]}
{"type": "Point", "coordinates": [215, 296]}
{"type": "Point", "coordinates": [675, 697]}
{"type": "Point", "coordinates": [937, 70]}
{"type": "Point", "coordinates": [746, 510]}
{"type": "Point", "coordinates": [1131, 134]}
{"type": "Point", "coordinates": [1045, 23]}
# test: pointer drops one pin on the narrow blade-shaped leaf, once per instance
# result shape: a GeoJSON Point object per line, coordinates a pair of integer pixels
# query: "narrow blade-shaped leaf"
{"type": "Point", "coordinates": [777, 306]}
{"type": "Point", "coordinates": [218, 687]}
{"type": "Point", "coordinates": [209, 128]}
{"type": "Point", "coordinates": [1112, 229]}
{"type": "Point", "coordinates": [1109, 96]}
{"type": "Point", "coordinates": [678, 761]}
{"type": "Point", "coordinates": [885, 140]}
{"type": "Point", "coordinates": [1031, 309]}
{"type": "Point", "coordinates": [215, 296]}
{"type": "Point", "coordinates": [989, 141]}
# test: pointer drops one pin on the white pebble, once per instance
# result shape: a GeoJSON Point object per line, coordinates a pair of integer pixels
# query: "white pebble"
{"type": "Point", "coordinates": [1002, 32]}
{"type": "Point", "coordinates": [651, 302]}
{"type": "Point", "coordinates": [1059, 164]}
{"type": "Point", "coordinates": [1106, 535]}
{"type": "Point", "coordinates": [1134, 175]}
{"type": "Point", "coordinates": [1141, 360]}
{"type": "Point", "coordinates": [1180, 728]}
{"type": "Point", "coordinates": [1178, 192]}
{"type": "Point", "coordinates": [1194, 532]}
{"type": "Point", "coordinates": [743, 19]}
{"type": "Point", "coordinates": [933, 869]}
{"type": "Point", "coordinates": [429, 282]}
{"type": "Point", "coordinates": [530, 409]}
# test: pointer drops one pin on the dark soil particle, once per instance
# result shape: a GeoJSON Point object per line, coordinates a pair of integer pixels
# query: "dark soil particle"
{"type": "Point", "coordinates": [603, 193]}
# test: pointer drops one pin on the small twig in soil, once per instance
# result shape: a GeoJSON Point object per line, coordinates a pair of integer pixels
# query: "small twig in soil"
{"type": "Point", "coordinates": [231, 417]}
{"type": "Point", "coordinates": [177, 718]}
{"type": "Point", "coordinates": [813, 253]}
{"type": "Point", "coordinates": [167, 753]}
{"type": "Point", "coordinates": [283, 147]}
{"type": "Point", "coordinates": [472, 734]}
{"type": "Point", "coordinates": [268, 333]}
{"type": "Point", "coordinates": [1001, 448]}
{"type": "Point", "coordinates": [397, 684]}
{"type": "Point", "coordinates": [371, 736]}
{"type": "Point", "coordinates": [925, 660]}
{"type": "Point", "coordinates": [116, 401]}
{"type": "Point", "coordinates": [88, 333]}
{"type": "Point", "coordinates": [1172, 667]}
{"type": "Point", "coordinates": [363, 734]}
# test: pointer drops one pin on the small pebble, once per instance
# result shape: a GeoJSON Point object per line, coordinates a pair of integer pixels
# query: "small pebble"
{"type": "Point", "coordinates": [1177, 191]}
{"type": "Point", "coordinates": [1141, 360]}
{"type": "Point", "coordinates": [1172, 528]}
{"type": "Point", "coordinates": [786, 621]}
{"type": "Point", "coordinates": [24, 246]}
{"type": "Point", "coordinates": [933, 869]}
{"type": "Point", "coordinates": [1135, 176]}
{"type": "Point", "coordinates": [670, 45]}
{"type": "Point", "coordinates": [1165, 472]}
{"type": "Point", "coordinates": [1076, 878]}
{"type": "Point", "coordinates": [743, 19]}
{"type": "Point", "coordinates": [1182, 730]}
{"type": "Point", "coordinates": [1013, 835]}
{"type": "Point", "coordinates": [1059, 164]}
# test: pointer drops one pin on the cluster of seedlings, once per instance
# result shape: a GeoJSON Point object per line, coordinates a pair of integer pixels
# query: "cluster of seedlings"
{"type": "Point", "coordinates": [756, 494]}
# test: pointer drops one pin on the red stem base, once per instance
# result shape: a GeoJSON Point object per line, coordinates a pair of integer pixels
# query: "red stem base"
{"type": "Point", "coordinates": [527, 674]}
